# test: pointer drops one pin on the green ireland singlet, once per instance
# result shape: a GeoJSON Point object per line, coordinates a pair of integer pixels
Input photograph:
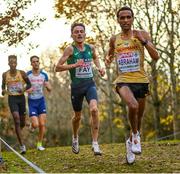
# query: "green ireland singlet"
{"type": "Point", "coordinates": [80, 74]}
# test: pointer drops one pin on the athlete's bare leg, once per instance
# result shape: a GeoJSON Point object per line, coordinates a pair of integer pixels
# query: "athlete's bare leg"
{"type": "Point", "coordinates": [16, 118]}
{"type": "Point", "coordinates": [132, 105]}
{"type": "Point", "coordinates": [34, 121]}
{"type": "Point", "coordinates": [42, 122]}
{"type": "Point", "coordinates": [76, 123]}
{"type": "Point", "coordinates": [140, 113]}
{"type": "Point", "coordinates": [94, 119]}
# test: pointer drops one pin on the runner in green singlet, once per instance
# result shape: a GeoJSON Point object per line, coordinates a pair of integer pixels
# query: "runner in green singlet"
{"type": "Point", "coordinates": [79, 57]}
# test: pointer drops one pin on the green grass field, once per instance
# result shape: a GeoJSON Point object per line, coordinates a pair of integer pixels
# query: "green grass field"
{"type": "Point", "coordinates": [161, 157]}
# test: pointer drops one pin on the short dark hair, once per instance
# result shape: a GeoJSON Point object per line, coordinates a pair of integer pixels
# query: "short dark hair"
{"type": "Point", "coordinates": [125, 8]}
{"type": "Point", "coordinates": [12, 57]}
{"type": "Point", "coordinates": [34, 57]}
{"type": "Point", "coordinates": [77, 24]}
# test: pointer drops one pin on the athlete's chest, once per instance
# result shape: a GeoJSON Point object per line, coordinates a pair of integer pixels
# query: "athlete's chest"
{"type": "Point", "coordinates": [128, 55]}
{"type": "Point", "coordinates": [13, 79]}
{"type": "Point", "coordinates": [86, 55]}
{"type": "Point", "coordinates": [37, 79]}
{"type": "Point", "coordinates": [124, 46]}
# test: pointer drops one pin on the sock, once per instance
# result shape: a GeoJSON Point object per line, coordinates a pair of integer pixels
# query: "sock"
{"type": "Point", "coordinates": [39, 143]}
{"type": "Point", "coordinates": [94, 142]}
{"type": "Point", "coordinates": [75, 139]}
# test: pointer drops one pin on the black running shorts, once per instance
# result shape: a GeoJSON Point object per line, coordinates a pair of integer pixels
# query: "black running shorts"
{"type": "Point", "coordinates": [17, 104]}
{"type": "Point", "coordinates": [85, 89]}
{"type": "Point", "coordinates": [140, 90]}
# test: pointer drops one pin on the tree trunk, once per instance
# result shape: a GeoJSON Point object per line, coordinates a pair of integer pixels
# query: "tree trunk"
{"type": "Point", "coordinates": [156, 101]}
{"type": "Point", "coordinates": [110, 106]}
{"type": "Point", "coordinates": [176, 119]}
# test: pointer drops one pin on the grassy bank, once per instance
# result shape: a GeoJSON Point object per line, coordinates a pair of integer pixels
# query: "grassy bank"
{"type": "Point", "coordinates": [161, 157]}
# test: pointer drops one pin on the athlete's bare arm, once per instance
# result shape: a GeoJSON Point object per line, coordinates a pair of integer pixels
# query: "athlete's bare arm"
{"type": "Point", "coordinates": [26, 79]}
{"type": "Point", "coordinates": [63, 67]}
{"type": "Point", "coordinates": [3, 87]}
{"type": "Point", "coordinates": [110, 55]}
{"type": "Point", "coordinates": [48, 86]}
{"type": "Point", "coordinates": [145, 38]}
{"type": "Point", "coordinates": [96, 61]}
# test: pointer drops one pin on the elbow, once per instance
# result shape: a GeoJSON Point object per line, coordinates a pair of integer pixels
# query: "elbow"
{"type": "Point", "coordinates": [156, 57]}
{"type": "Point", "coordinates": [28, 86]}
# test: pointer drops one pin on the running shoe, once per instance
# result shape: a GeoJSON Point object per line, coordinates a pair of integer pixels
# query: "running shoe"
{"type": "Point", "coordinates": [40, 147]}
{"type": "Point", "coordinates": [136, 143]}
{"type": "Point", "coordinates": [130, 157]}
{"type": "Point", "coordinates": [75, 145]}
{"type": "Point", "coordinates": [22, 149]}
{"type": "Point", "coordinates": [96, 149]}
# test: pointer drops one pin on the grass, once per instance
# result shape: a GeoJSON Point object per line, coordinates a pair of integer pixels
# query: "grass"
{"type": "Point", "coordinates": [161, 157]}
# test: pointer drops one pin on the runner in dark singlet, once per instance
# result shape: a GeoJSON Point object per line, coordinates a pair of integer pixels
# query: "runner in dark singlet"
{"type": "Point", "coordinates": [14, 84]}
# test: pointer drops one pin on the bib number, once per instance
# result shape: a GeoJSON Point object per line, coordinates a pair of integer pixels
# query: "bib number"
{"type": "Point", "coordinates": [128, 62]}
{"type": "Point", "coordinates": [16, 88]}
{"type": "Point", "coordinates": [85, 71]}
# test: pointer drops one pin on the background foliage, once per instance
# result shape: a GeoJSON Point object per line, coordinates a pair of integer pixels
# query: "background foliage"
{"type": "Point", "coordinates": [162, 116]}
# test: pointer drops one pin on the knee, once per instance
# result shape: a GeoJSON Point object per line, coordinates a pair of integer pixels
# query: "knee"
{"type": "Point", "coordinates": [35, 125]}
{"type": "Point", "coordinates": [94, 111]}
{"type": "Point", "coordinates": [17, 123]}
{"type": "Point", "coordinates": [41, 124]}
{"type": "Point", "coordinates": [133, 106]}
{"type": "Point", "coordinates": [76, 117]}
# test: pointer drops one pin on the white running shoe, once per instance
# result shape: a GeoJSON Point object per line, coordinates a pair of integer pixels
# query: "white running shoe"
{"type": "Point", "coordinates": [136, 143]}
{"type": "Point", "coordinates": [75, 145]}
{"type": "Point", "coordinates": [41, 148]}
{"type": "Point", "coordinates": [22, 149]}
{"type": "Point", "coordinates": [130, 157]}
{"type": "Point", "coordinates": [96, 149]}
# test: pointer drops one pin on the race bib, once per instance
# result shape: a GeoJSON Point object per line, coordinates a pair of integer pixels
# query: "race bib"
{"type": "Point", "coordinates": [37, 89]}
{"type": "Point", "coordinates": [15, 88]}
{"type": "Point", "coordinates": [128, 62]}
{"type": "Point", "coordinates": [85, 71]}
{"type": "Point", "coordinates": [37, 86]}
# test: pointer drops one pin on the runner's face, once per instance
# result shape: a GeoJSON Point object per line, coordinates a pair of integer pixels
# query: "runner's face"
{"type": "Point", "coordinates": [78, 34]}
{"type": "Point", "coordinates": [125, 19]}
{"type": "Point", "coordinates": [12, 64]}
{"type": "Point", "coordinates": [35, 63]}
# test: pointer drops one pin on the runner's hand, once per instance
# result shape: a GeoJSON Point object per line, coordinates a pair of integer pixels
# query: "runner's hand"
{"type": "Point", "coordinates": [80, 63]}
{"type": "Point", "coordinates": [30, 90]}
{"type": "Point", "coordinates": [48, 86]}
{"type": "Point", "coordinates": [3, 92]}
{"type": "Point", "coordinates": [138, 34]}
{"type": "Point", "coordinates": [107, 62]}
{"type": "Point", "coordinates": [101, 71]}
